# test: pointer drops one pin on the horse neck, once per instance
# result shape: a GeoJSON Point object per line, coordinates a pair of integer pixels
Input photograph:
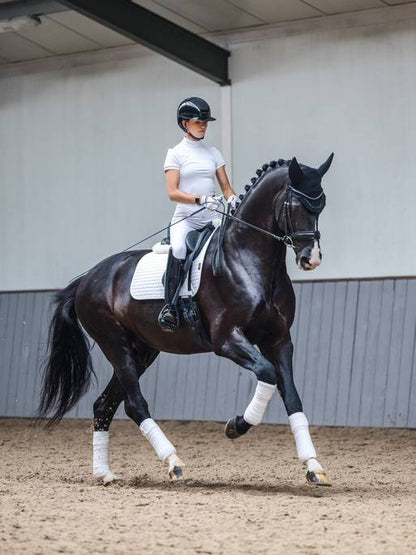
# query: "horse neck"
{"type": "Point", "coordinates": [258, 209]}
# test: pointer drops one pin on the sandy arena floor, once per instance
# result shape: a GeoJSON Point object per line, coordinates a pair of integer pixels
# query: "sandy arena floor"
{"type": "Point", "coordinates": [247, 496]}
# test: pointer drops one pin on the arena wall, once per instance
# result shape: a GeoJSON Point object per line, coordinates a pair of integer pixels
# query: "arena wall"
{"type": "Point", "coordinates": [354, 361]}
{"type": "Point", "coordinates": [83, 146]}
{"type": "Point", "coordinates": [309, 92]}
{"type": "Point", "coordinates": [82, 163]}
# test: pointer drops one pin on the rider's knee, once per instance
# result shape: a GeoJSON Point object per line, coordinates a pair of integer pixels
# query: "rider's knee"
{"type": "Point", "coordinates": [179, 251]}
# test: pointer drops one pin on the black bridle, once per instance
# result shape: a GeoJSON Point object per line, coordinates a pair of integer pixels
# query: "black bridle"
{"type": "Point", "coordinates": [290, 234]}
{"type": "Point", "coordinates": [302, 236]}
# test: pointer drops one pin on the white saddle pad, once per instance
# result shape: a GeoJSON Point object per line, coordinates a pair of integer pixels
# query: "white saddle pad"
{"type": "Point", "coordinates": [147, 279]}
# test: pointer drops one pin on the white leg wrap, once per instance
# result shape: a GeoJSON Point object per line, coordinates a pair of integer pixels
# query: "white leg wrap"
{"type": "Point", "coordinates": [255, 410]}
{"type": "Point", "coordinates": [157, 438]}
{"type": "Point", "coordinates": [101, 454]}
{"type": "Point", "coordinates": [313, 465]}
{"type": "Point", "coordinates": [300, 429]}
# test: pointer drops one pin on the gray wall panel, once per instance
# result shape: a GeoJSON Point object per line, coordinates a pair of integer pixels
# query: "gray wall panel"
{"type": "Point", "coordinates": [346, 352]}
{"type": "Point", "coordinates": [354, 361]}
{"type": "Point", "coordinates": [395, 378]}
{"type": "Point", "coordinates": [407, 391]}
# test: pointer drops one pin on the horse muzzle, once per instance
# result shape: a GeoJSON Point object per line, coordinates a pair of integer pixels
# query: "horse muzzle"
{"type": "Point", "coordinates": [309, 258]}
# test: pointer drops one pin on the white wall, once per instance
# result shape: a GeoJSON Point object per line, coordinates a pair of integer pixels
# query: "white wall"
{"type": "Point", "coordinates": [82, 148]}
{"type": "Point", "coordinates": [81, 163]}
{"type": "Point", "coordinates": [351, 91]}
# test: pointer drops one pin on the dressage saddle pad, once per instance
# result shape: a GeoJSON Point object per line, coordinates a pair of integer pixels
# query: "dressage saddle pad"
{"type": "Point", "coordinates": [147, 279]}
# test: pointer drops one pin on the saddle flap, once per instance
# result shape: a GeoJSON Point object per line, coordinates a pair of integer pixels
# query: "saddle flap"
{"type": "Point", "coordinates": [197, 238]}
{"type": "Point", "coordinates": [147, 279]}
{"type": "Point", "coordinates": [191, 240]}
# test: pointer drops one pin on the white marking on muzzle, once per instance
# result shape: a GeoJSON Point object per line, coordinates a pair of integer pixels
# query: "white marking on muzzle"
{"type": "Point", "coordinates": [315, 258]}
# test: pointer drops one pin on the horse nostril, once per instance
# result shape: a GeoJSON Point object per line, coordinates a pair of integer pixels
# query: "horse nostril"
{"type": "Point", "coordinates": [304, 262]}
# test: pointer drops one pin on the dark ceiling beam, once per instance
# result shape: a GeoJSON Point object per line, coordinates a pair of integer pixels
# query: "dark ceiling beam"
{"type": "Point", "coordinates": [8, 10]}
{"type": "Point", "coordinates": [158, 34]}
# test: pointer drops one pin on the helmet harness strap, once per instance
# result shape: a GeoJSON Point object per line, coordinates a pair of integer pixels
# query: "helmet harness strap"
{"type": "Point", "coordinates": [189, 133]}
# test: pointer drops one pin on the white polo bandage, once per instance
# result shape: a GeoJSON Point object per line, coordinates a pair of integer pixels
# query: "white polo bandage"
{"type": "Point", "coordinates": [255, 410]}
{"type": "Point", "coordinates": [101, 454]}
{"type": "Point", "coordinates": [300, 429]}
{"type": "Point", "coordinates": [157, 439]}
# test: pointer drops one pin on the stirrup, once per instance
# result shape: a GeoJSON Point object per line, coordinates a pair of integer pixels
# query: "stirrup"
{"type": "Point", "coordinates": [168, 318]}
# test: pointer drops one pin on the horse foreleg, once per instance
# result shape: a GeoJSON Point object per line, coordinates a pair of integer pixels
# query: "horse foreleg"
{"type": "Point", "coordinates": [282, 355]}
{"type": "Point", "coordinates": [239, 349]}
{"type": "Point", "coordinates": [104, 409]}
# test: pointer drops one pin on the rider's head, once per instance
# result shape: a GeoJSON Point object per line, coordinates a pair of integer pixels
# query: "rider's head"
{"type": "Point", "coordinates": [193, 115]}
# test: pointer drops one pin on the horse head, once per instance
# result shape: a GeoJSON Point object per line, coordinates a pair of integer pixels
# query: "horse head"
{"type": "Point", "coordinates": [297, 216]}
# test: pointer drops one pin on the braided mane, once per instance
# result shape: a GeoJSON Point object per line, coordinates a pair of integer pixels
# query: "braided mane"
{"type": "Point", "coordinates": [259, 174]}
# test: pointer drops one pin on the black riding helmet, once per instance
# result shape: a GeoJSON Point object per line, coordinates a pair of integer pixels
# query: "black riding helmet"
{"type": "Point", "coordinates": [195, 109]}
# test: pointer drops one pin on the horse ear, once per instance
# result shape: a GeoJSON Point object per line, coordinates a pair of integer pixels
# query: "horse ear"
{"type": "Point", "coordinates": [295, 172]}
{"type": "Point", "coordinates": [325, 166]}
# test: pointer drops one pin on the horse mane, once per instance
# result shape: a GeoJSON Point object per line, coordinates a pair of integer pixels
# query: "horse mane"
{"type": "Point", "coordinates": [259, 175]}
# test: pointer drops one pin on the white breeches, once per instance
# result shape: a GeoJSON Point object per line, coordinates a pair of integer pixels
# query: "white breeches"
{"type": "Point", "coordinates": [179, 231]}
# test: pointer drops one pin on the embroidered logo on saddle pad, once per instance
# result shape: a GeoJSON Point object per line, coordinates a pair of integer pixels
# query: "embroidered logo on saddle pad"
{"type": "Point", "coordinates": [147, 280]}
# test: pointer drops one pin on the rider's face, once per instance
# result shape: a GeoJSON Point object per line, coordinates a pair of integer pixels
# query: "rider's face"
{"type": "Point", "coordinates": [197, 128]}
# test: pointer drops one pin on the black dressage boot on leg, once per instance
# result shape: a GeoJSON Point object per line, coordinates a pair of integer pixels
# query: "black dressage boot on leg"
{"type": "Point", "coordinates": [169, 317]}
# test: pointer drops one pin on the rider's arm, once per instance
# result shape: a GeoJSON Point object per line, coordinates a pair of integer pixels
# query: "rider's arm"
{"type": "Point", "coordinates": [175, 194]}
{"type": "Point", "coordinates": [225, 185]}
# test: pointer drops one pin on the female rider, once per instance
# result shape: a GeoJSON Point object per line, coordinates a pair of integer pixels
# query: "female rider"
{"type": "Point", "coordinates": [190, 169]}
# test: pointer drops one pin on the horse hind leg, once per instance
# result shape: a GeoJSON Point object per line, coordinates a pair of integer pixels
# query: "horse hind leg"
{"type": "Point", "coordinates": [130, 357]}
{"type": "Point", "coordinates": [104, 409]}
{"type": "Point", "coordinates": [137, 409]}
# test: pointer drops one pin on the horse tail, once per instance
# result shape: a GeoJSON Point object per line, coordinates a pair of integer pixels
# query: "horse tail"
{"type": "Point", "coordinates": [68, 367]}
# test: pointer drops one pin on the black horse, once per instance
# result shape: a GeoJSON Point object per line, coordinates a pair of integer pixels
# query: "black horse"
{"type": "Point", "coordinates": [247, 311]}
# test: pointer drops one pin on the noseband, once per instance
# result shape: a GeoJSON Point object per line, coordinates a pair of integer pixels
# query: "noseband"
{"type": "Point", "coordinates": [290, 233]}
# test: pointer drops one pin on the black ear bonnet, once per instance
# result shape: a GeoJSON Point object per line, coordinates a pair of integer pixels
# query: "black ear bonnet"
{"type": "Point", "coordinates": [306, 185]}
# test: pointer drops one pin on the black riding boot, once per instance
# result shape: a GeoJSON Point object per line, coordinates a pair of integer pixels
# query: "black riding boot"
{"type": "Point", "coordinates": [169, 316]}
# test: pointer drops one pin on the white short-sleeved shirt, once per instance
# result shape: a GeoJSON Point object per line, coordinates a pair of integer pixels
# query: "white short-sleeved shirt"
{"type": "Point", "coordinates": [197, 164]}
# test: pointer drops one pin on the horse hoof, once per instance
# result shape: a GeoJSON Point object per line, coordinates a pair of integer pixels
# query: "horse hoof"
{"type": "Point", "coordinates": [175, 468]}
{"type": "Point", "coordinates": [109, 478]}
{"type": "Point", "coordinates": [318, 478]}
{"type": "Point", "coordinates": [175, 474]}
{"type": "Point", "coordinates": [230, 429]}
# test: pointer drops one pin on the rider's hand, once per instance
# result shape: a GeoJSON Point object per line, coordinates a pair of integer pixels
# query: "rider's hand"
{"type": "Point", "coordinates": [232, 201]}
{"type": "Point", "coordinates": [210, 202]}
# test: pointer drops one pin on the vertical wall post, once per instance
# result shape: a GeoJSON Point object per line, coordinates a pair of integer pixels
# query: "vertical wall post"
{"type": "Point", "coordinates": [227, 129]}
